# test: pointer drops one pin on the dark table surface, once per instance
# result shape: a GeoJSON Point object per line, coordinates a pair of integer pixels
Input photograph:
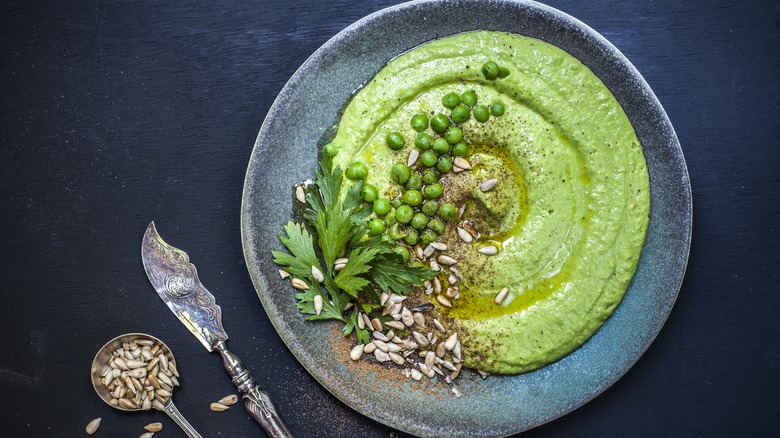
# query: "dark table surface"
{"type": "Point", "coordinates": [116, 113]}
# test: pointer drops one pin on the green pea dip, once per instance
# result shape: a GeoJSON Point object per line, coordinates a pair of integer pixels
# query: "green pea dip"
{"type": "Point", "coordinates": [568, 213]}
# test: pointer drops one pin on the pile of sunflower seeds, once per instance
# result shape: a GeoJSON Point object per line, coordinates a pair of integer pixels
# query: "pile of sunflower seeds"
{"type": "Point", "coordinates": [140, 375]}
{"type": "Point", "coordinates": [430, 354]}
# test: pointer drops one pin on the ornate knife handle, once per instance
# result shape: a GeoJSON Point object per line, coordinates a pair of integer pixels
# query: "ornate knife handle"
{"type": "Point", "coordinates": [257, 401]}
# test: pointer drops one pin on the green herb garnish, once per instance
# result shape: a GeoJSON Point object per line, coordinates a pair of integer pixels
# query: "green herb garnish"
{"type": "Point", "coordinates": [336, 228]}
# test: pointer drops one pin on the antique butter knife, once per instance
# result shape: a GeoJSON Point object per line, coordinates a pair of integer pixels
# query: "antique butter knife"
{"type": "Point", "coordinates": [176, 281]}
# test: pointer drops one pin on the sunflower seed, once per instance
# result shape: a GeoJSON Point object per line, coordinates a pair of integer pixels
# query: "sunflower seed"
{"type": "Point", "coordinates": [367, 320]}
{"type": "Point", "coordinates": [471, 230]}
{"type": "Point", "coordinates": [421, 340]}
{"type": "Point", "coordinates": [440, 350]}
{"type": "Point", "coordinates": [284, 274]}
{"type": "Point", "coordinates": [488, 185]}
{"type": "Point", "coordinates": [317, 274]}
{"type": "Point", "coordinates": [416, 375]}
{"type": "Point", "coordinates": [483, 374]}
{"type": "Point", "coordinates": [361, 323]}
{"type": "Point", "coordinates": [501, 296]}
{"type": "Point", "coordinates": [397, 358]}
{"type": "Point", "coordinates": [407, 317]}
{"type": "Point", "coordinates": [435, 266]}
{"type": "Point", "coordinates": [419, 252]}
{"type": "Point", "coordinates": [439, 326]}
{"type": "Point", "coordinates": [157, 404]}
{"type": "Point", "coordinates": [462, 163]}
{"type": "Point", "coordinates": [356, 352]}
{"type": "Point", "coordinates": [436, 285]}
{"type": "Point", "coordinates": [318, 304]}
{"type": "Point", "coordinates": [164, 378]}
{"type": "Point", "coordinates": [299, 284]}
{"type": "Point", "coordinates": [419, 319]}
{"type": "Point", "coordinates": [218, 407]}
{"type": "Point", "coordinates": [369, 348]}
{"type": "Point", "coordinates": [413, 156]}
{"type": "Point", "coordinates": [457, 273]}
{"type": "Point", "coordinates": [443, 301]}
{"type": "Point", "coordinates": [452, 292]}
{"type": "Point", "coordinates": [339, 264]}
{"type": "Point", "coordinates": [390, 335]}
{"type": "Point", "coordinates": [381, 356]}
{"type": "Point", "coordinates": [456, 351]}
{"type": "Point", "coordinates": [446, 260]}
{"type": "Point", "coordinates": [381, 345]}
{"type": "Point", "coordinates": [439, 246]}
{"type": "Point", "coordinates": [398, 325]}
{"type": "Point", "coordinates": [449, 344]}
{"type": "Point", "coordinates": [429, 359]}
{"type": "Point", "coordinates": [488, 250]}
{"type": "Point", "coordinates": [154, 427]}
{"type": "Point", "coordinates": [464, 235]}
{"type": "Point", "coordinates": [424, 307]}
{"type": "Point", "coordinates": [93, 425]}
{"type": "Point", "coordinates": [377, 324]}
{"type": "Point", "coordinates": [127, 403]}
{"type": "Point", "coordinates": [146, 435]}
{"type": "Point", "coordinates": [428, 251]}
{"type": "Point", "coordinates": [427, 371]}
{"type": "Point", "coordinates": [456, 391]}
{"type": "Point", "coordinates": [300, 195]}
{"type": "Point", "coordinates": [452, 279]}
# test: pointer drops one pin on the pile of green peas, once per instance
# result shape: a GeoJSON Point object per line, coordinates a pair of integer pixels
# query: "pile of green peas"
{"type": "Point", "coordinates": [416, 214]}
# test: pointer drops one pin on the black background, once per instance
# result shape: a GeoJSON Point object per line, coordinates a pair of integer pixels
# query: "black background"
{"type": "Point", "coordinates": [116, 113]}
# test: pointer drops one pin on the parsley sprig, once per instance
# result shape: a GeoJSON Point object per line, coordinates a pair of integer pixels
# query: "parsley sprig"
{"type": "Point", "coordinates": [341, 231]}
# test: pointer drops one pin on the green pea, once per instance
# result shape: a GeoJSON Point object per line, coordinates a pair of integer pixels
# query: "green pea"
{"type": "Point", "coordinates": [441, 146]}
{"type": "Point", "coordinates": [419, 221]}
{"type": "Point", "coordinates": [428, 236]}
{"type": "Point", "coordinates": [357, 171]}
{"type": "Point", "coordinates": [469, 98]}
{"type": "Point", "coordinates": [460, 114]}
{"type": "Point", "coordinates": [412, 236]}
{"type": "Point", "coordinates": [503, 72]}
{"type": "Point", "coordinates": [369, 192]}
{"type": "Point", "coordinates": [404, 214]}
{"type": "Point", "coordinates": [436, 225]}
{"type": "Point", "coordinates": [453, 135]}
{"type": "Point", "coordinates": [376, 227]}
{"type": "Point", "coordinates": [433, 191]}
{"type": "Point", "coordinates": [448, 212]}
{"type": "Point", "coordinates": [430, 176]}
{"type": "Point", "coordinates": [429, 158]}
{"type": "Point", "coordinates": [423, 141]}
{"type": "Point", "coordinates": [397, 202]}
{"type": "Point", "coordinates": [397, 231]}
{"type": "Point", "coordinates": [381, 206]}
{"type": "Point", "coordinates": [440, 123]}
{"type": "Point", "coordinates": [400, 173]}
{"type": "Point", "coordinates": [414, 183]}
{"type": "Point", "coordinates": [460, 149]}
{"type": "Point", "coordinates": [403, 252]}
{"type": "Point", "coordinates": [390, 218]}
{"type": "Point", "coordinates": [395, 140]}
{"type": "Point", "coordinates": [430, 207]}
{"type": "Point", "coordinates": [450, 100]}
{"type": "Point", "coordinates": [497, 109]}
{"type": "Point", "coordinates": [419, 122]}
{"type": "Point", "coordinates": [490, 69]}
{"type": "Point", "coordinates": [331, 149]}
{"type": "Point", "coordinates": [445, 164]}
{"type": "Point", "coordinates": [413, 198]}
{"type": "Point", "coordinates": [481, 113]}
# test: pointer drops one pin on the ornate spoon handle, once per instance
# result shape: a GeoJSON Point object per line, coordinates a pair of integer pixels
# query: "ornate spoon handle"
{"type": "Point", "coordinates": [257, 401]}
{"type": "Point", "coordinates": [176, 416]}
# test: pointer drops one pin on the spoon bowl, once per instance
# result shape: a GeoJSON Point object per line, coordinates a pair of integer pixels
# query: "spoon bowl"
{"type": "Point", "coordinates": [101, 363]}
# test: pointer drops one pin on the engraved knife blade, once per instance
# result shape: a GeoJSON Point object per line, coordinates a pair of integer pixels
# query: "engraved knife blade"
{"type": "Point", "coordinates": [176, 281]}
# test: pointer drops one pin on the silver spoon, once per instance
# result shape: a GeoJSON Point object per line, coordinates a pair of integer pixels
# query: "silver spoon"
{"type": "Point", "coordinates": [101, 363]}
